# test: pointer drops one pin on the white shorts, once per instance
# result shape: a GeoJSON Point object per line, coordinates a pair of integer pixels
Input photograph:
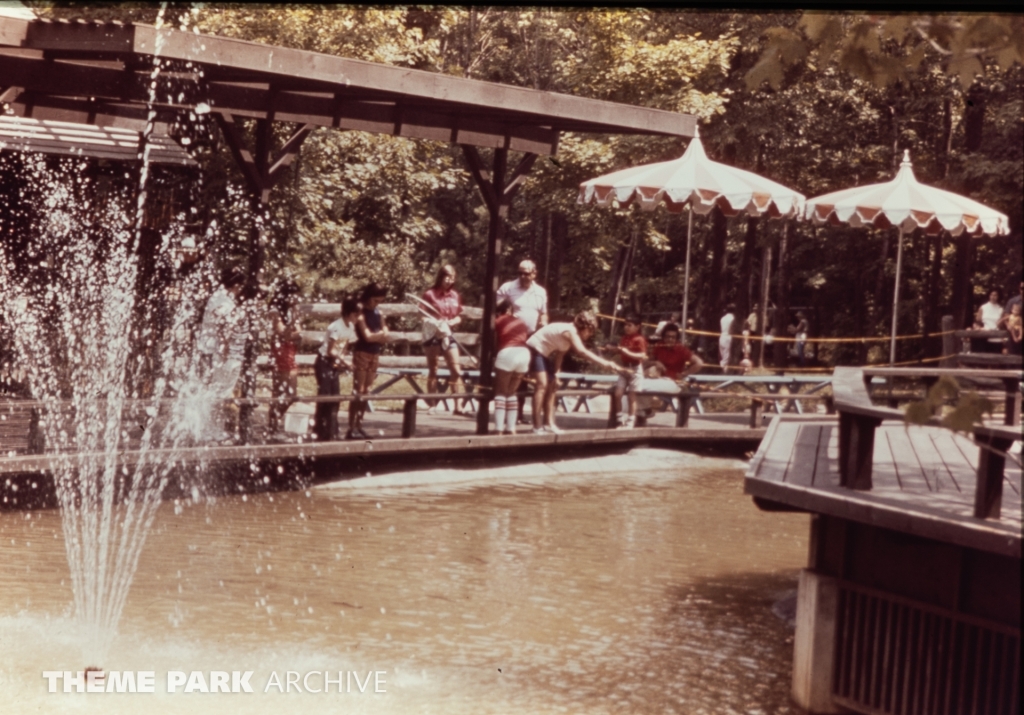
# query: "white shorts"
{"type": "Point", "coordinates": [515, 359]}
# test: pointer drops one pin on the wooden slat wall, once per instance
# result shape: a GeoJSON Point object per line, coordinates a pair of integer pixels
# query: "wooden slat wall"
{"type": "Point", "coordinates": [895, 656]}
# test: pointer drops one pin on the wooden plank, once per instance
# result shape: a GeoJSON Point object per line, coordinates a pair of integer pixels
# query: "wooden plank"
{"type": "Point", "coordinates": [939, 371]}
{"type": "Point", "coordinates": [823, 467]}
{"type": "Point", "coordinates": [803, 458]}
{"type": "Point", "coordinates": [775, 460]}
{"type": "Point", "coordinates": [312, 338]}
{"type": "Point", "coordinates": [958, 466]}
{"type": "Point", "coordinates": [388, 310]}
{"type": "Point", "coordinates": [899, 513]}
{"type": "Point", "coordinates": [931, 468]}
{"type": "Point", "coordinates": [13, 31]}
{"type": "Point", "coordinates": [883, 467]}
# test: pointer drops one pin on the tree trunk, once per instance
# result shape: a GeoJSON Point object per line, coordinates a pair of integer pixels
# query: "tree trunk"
{"type": "Point", "coordinates": [781, 322]}
{"type": "Point", "coordinates": [931, 314]}
{"type": "Point", "coordinates": [879, 302]}
{"type": "Point", "coordinates": [559, 233]}
{"type": "Point", "coordinates": [716, 289]}
{"type": "Point", "coordinates": [743, 300]}
{"type": "Point", "coordinates": [963, 291]}
{"type": "Point", "coordinates": [858, 317]}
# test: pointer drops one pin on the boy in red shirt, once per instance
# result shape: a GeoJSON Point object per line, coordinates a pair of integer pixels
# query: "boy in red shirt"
{"type": "Point", "coordinates": [632, 349]}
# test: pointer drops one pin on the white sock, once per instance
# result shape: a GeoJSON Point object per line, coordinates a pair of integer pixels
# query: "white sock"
{"type": "Point", "coordinates": [513, 414]}
{"type": "Point", "coordinates": [499, 412]}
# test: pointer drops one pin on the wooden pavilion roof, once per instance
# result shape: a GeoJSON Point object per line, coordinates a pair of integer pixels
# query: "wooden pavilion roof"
{"type": "Point", "coordinates": [87, 140]}
{"type": "Point", "coordinates": [99, 73]}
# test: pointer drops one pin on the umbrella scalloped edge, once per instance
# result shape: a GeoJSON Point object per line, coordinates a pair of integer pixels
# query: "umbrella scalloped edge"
{"type": "Point", "coordinates": [750, 203]}
{"type": "Point", "coordinates": [932, 223]}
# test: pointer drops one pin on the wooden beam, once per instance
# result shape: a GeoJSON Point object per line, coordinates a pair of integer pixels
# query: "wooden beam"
{"type": "Point", "coordinates": [14, 31]}
{"type": "Point", "coordinates": [424, 120]}
{"type": "Point", "coordinates": [290, 150]}
{"type": "Point", "coordinates": [9, 94]}
{"type": "Point", "coordinates": [229, 57]}
{"type": "Point", "coordinates": [243, 157]}
{"type": "Point", "coordinates": [482, 177]}
{"type": "Point", "coordinates": [78, 111]}
{"type": "Point", "coordinates": [518, 176]}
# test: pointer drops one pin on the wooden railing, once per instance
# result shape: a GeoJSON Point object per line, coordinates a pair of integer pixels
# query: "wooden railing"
{"type": "Point", "coordinates": [858, 419]}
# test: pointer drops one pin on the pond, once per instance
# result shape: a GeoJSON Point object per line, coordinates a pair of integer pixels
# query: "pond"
{"type": "Point", "coordinates": [584, 586]}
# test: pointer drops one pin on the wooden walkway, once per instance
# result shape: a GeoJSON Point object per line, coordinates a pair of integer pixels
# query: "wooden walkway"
{"type": "Point", "coordinates": [924, 481]}
{"type": "Point", "coordinates": [26, 480]}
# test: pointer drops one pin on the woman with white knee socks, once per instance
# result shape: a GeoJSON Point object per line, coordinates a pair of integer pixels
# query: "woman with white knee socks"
{"type": "Point", "coordinates": [510, 364]}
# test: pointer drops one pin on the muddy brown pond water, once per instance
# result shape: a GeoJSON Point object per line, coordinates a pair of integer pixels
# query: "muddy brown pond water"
{"type": "Point", "coordinates": [642, 583]}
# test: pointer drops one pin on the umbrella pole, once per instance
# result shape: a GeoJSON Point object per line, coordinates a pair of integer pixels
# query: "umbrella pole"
{"type": "Point", "coordinates": [686, 279]}
{"type": "Point", "coordinates": [896, 297]}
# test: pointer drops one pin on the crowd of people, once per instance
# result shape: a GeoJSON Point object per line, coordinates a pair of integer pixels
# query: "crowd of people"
{"type": "Point", "coordinates": [528, 347]}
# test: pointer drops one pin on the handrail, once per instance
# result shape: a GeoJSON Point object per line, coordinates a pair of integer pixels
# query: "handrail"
{"type": "Point", "coordinates": [858, 419]}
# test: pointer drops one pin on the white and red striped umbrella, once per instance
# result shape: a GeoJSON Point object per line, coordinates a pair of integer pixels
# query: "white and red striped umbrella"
{"type": "Point", "coordinates": [908, 204]}
{"type": "Point", "coordinates": [696, 181]}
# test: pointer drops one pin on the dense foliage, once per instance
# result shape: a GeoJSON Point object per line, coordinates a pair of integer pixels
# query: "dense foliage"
{"type": "Point", "coordinates": [817, 102]}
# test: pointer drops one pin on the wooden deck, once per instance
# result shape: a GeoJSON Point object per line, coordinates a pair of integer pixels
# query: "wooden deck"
{"type": "Point", "coordinates": [923, 482]}
{"type": "Point", "coordinates": [26, 480]}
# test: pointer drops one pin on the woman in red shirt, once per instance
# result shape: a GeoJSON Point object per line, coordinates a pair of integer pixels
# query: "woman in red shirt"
{"type": "Point", "coordinates": [511, 362]}
{"type": "Point", "coordinates": [437, 333]}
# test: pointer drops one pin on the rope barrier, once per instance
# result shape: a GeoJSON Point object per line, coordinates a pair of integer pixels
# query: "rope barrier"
{"type": "Point", "coordinates": [793, 340]}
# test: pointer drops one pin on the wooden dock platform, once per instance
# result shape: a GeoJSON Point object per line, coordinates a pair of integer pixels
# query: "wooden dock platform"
{"type": "Point", "coordinates": [911, 599]}
{"type": "Point", "coordinates": [443, 439]}
{"type": "Point", "coordinates": [923, 481]}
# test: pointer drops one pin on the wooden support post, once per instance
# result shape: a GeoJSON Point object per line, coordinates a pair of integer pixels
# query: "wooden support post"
{"type": "Point", "coordinates": [685, 402]}
{"type": "Point", "coordinates": [497, 195]}
{"type": "Point", "coordinates": [949, 342]}
{"type": "Point", "coordinates": [988, 494]}
{"type": "Point", "coordinates": [856, 450]}
{"type": "Point", "coordinates": [756, 408]}
{"type": "Point", "coordinates": [409, 419]}
{"type": "Point", "coordinates": [817, 610]}
{"type": "Point", "coordinates": [614, 407]}
{"type": "Point", "coordinates": [1011, 415]}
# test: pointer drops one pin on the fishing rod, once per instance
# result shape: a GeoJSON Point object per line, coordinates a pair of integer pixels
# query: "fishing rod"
{"type": "Point", "coordinates": [433, 316]}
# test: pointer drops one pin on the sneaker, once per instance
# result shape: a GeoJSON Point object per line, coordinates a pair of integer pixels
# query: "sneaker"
{"type": "Point", "coordinates": [351, 434]}
{"type": "Point", "coordinates": [361, 434]}
{"type": "Point", "coordinates": [630, 423]}
{"type": "Point", "coordinates": [540, 430]}
{"type": "Point", "coordinates": [555, 430]}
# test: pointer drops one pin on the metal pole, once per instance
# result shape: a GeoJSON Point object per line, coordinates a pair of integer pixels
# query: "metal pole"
{"type": "Point", "coordinates": [896, 297]}
{"type": "Point", "coordinates": [686, 279]}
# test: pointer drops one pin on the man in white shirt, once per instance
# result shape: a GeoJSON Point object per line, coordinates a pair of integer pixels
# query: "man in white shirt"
{"type": "Point", "coordinates": [221, 347]}
{"type": "Point", "coordinates": [725, 339]}
{"type": "Point", "coordinates": [529, 301]}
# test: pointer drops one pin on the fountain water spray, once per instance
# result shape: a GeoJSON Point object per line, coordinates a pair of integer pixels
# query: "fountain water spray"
{"type": "Point", "coordinates": [70, 292]}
